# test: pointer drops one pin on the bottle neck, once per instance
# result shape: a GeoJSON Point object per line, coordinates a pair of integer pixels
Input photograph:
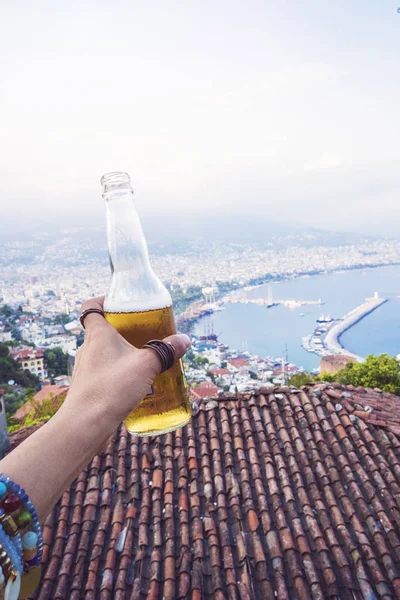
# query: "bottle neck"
{"type": "Point", "coordinates": [134, 285]}
{"type": "Point", "coordinates": [127, 246]}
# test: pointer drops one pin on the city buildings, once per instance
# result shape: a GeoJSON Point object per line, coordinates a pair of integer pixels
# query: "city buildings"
{"type": "Point", "coordinates": [47, 279]}
{"type": "Point", "coordinates": [31, 360]}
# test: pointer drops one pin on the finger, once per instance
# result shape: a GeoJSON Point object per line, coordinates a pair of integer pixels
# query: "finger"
{"type": "Point", "coordinates": [181, 342]}
{"type": "Point", "coordinates": [151, 361]}
{"type": "Point", "coordinates": [94, 320]}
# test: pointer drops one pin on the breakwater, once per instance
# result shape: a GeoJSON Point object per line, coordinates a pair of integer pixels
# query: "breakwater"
{"type": "Point", "coordinates": [331, 341]}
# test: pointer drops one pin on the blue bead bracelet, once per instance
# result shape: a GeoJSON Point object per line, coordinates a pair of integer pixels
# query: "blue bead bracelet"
{"type": "Point", "coordinates": [8, 486]}
{"type": "Point", "coordinates": [16, 559]}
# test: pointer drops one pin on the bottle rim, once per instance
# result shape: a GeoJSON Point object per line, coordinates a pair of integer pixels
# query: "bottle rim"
{"type": "Point", "coordinates": [115, 177]}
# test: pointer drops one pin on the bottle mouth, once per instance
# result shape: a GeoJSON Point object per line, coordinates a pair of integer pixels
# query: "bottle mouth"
{"type": "Point", "coordinates": [116, 181]}
{"type": "Point", "coordinates": [115, 177]}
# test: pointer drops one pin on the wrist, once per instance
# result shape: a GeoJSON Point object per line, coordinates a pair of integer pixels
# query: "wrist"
{"type": "Point", "coordinates": [86, 420]}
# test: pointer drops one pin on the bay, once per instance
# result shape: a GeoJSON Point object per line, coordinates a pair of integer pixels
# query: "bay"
{"type": "Point", "coordinates": [268, 331]}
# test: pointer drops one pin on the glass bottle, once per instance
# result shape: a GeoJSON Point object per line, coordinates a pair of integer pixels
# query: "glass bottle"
{"type": "Point", "coordinates": [140, 307]}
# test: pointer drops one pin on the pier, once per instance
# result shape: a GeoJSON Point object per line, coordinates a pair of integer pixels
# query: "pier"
{"type": "Point", "coordinates": [332, 338]}
{"type": "Point", "coordinates": [269, 304]}
{"type": "Point", "coordinates": [325, 342]}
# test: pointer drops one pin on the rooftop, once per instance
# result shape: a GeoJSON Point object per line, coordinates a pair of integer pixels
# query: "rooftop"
{"type": "Point", "coordinates": [205, 389]}
{"type": "Point", "coordinates": [239, 362]}
{"type": "Point", "coordinates": [48, 392]}
{"type": "Point", "coordinates": [288, 494]}
{"type": "Point", "coordinates": [27, 354]}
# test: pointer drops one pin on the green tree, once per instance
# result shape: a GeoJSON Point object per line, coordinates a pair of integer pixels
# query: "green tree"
{"type": "Point", "coordinates": [300, 379]}
{"type": "Point", "coordinates": [201, 361]}
{"type": "Point", "coordinates": [224, 364]}
{"type": "Point", "coordinates": [376, 372]}
{"type": "Point", "coordinates": [56, 362]}
{"type": "Point", "coordinates": [325, 376]}
{"type": "Point", "coordinates": [10, 369]}
{"type": "Point", "coordinates": [13, 401]}
{"type": "Point", "coordinates": [6, 311]}
{"type": "Point", "coordinates": [16, 343]}
{"type": "Point", "coordinates": [381, 372]}
{"type": "Point", "coordinates": [211, 376]}
{"type": "Point", "coordinates": [61, 319]}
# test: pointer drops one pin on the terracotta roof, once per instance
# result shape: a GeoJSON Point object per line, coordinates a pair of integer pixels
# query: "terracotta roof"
{"type": "Point", "coordinates": [277, 372]}
{"type": "Point", "coordinates": [54, 392]}
{"type": "Point", "coordinates": [238, 362]}
{"type": "Point", "coordinates": [205, 389]}
{"type": "Point", "coordinates": [284, 495]}
{"type": "Point", "coordinates": [28, 354]}
{"type": "Point", "coordinates": [217, 371]}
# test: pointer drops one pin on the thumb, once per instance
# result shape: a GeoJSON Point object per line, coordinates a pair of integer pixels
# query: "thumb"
{"type": "Point", "coordinates": [150, 360]}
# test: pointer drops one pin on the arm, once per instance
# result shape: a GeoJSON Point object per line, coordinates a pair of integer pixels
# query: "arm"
{"type": "Point", "coordinates": [110, 378]}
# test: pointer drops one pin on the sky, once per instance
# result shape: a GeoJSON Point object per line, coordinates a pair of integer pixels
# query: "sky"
{"type": "Point", "coordinates": [276, 108]}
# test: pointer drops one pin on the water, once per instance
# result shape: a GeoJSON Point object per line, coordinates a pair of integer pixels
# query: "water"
{"type": "Point", "coordinates": [265, 331]}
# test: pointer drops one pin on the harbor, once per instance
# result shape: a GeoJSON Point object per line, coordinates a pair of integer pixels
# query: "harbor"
{"type": "Point", "coordinates": [326, 338]}
{"type": "Point", "coordinates": [269, 301]}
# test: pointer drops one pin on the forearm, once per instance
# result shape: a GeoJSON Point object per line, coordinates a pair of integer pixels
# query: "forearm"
{"type": "Point", "coordinates": [49, 460]}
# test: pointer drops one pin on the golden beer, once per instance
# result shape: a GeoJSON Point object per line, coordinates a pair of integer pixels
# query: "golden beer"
{"type": "Point", "coordinates": [167, 405]}
{"type": "Point", "coordinates": [139, 306]}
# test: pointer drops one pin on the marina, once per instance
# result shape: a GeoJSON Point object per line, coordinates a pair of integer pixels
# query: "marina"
{"type": "Point", "coordinates": [326, 338]}
{"type": "Point", "coordinates": [268, 332]}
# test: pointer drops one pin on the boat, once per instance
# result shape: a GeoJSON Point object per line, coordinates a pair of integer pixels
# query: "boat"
{"type": "Point", "coordinates": [323, 319]}
{"type": "Point", "coordinates": [302, 314]}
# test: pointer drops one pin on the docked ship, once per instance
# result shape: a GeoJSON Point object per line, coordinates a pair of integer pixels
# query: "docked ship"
{"type": "Point", "coordinates": [325, 319]}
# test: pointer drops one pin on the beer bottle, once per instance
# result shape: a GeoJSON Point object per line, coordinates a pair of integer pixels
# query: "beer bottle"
{"type": "Point", "coordinates": [140, 307]}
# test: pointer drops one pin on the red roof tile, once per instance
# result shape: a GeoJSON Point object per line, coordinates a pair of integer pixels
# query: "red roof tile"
{"type": "Point", "coordinates": [28, 354]}
{"type": "Point", "coordinates": [239, 362]}
{"type": "Point", "coordinates": [287, 494]}
{"type": "Point", "coordinates": [206, 389]}
{"type": "Point", "coordinates": [217, 371]}
{"type": "Point", "coordinates": [54, 392]}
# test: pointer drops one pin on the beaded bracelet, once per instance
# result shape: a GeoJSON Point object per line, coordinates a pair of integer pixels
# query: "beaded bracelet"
{"type": "Point", "coordinates": [12, 503]}
{"type": "Point", "coordinates": [8, 546]}
{"type": "Point", "coordinates": [21, 541]}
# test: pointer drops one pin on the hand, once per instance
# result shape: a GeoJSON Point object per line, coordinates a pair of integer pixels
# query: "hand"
{"type": "Point", "coordinates": [111, 375]}
{"type": "Point", "coordinates": [110, 378]}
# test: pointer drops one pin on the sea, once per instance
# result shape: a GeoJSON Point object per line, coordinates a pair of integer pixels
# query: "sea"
{"type": "Point", "coordinates": [278, 331]}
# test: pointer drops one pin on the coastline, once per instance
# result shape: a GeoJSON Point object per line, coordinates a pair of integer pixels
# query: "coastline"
{"type": "Point", "coordinates": [329, 285]}
{"type": "Point", "coordinates": [247, 287]}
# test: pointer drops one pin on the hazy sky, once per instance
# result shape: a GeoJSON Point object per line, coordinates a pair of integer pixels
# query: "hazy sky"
{"type": "Point", "coordinates": [285, 108]}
